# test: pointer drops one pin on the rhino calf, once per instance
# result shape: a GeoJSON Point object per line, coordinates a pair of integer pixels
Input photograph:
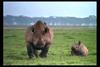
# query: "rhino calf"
{"type": "Point", "coordinates": [79, 49]}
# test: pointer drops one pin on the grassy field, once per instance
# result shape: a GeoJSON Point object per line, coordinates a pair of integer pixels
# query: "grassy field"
{"type": "Point", "coordinates": [14, 49]}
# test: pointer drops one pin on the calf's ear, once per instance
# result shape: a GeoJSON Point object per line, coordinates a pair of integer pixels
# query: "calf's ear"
{"type": "Point", "coordinates": [79, 42]}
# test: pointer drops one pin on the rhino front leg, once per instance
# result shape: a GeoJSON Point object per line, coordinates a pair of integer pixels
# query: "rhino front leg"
{"type": "Point", "coordinates": [44, 51]}
{"type": "Point", "coordinates": [30, 50]}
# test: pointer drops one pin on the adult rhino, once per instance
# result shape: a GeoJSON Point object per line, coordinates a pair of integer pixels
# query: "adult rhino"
{"type": "Point", "coordinates": [38, 37]}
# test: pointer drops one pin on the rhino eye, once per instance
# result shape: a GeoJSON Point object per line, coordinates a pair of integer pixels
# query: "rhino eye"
{"type": "Point", "coordinates": [46, 30]}
{"type": "Point", "coordinates": [32, 30]}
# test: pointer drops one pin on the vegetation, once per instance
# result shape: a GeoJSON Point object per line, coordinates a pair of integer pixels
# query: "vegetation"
{"type": "Point", "coordinates": [14, 49]}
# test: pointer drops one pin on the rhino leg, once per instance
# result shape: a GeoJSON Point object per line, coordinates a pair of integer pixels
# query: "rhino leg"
{"type": "Point", "coordinates": [44, 51]}
{"type": "Point", "coordinates": [30, 50]}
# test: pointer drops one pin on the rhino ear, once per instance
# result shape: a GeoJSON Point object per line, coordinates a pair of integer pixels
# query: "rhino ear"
{"type": "Point", "coordinates": [45, 23]}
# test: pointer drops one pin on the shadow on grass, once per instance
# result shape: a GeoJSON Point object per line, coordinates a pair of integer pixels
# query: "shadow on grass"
{"type": "Point", "coordinates": [15, 56]}
{"type": "Point", "coordinates": [9, 36]}
{"type": "Point", "coordinates": [79, 55]}
{"type": "Point", "coordinates": [69, 37]}
{"type": "Point", "coordinates": [92, 53]}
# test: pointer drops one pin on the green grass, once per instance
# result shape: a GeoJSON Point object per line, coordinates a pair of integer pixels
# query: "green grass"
{"type": "Point", "coordinates": [14, 49]}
